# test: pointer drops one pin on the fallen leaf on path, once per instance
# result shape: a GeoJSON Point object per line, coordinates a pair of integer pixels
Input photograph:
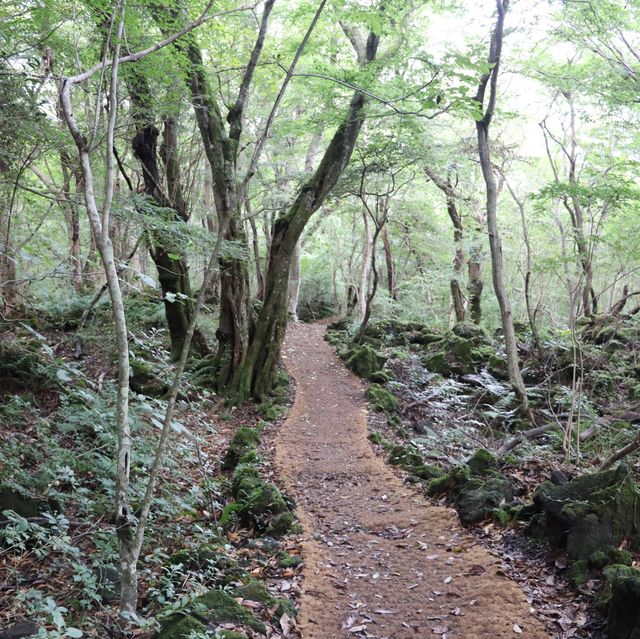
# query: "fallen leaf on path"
{"type": "Point", "coordinates": [517, 629]}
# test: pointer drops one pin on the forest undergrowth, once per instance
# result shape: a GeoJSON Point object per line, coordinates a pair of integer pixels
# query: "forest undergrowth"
{"type": "Point", "coordinates": [444, 415]}
{"type": "Point", "coordinates": [58, 553]}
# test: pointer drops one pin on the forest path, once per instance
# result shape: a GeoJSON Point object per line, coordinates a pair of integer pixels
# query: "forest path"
{"type": "Point", "coordinates": [378, 556]}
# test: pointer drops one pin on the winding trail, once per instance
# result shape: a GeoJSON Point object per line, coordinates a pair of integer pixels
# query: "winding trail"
{"type": "Point", "coordinates": [379, 558]}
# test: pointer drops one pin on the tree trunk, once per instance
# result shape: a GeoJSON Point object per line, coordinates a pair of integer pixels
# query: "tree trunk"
{"type": "Point", "coordinates": [256, 375]}
{"type": "Point", "coordinates": [458, 301]}
{"type": "Point", "coordinates": [168, 256]}
{"type": "Point", "coordinates": [391, 268]}
{"type": "Point", "coordinates": [294, 282]}
{"type": "Point", "coordinates": [363, 288]}
{"type": "Point", "coordinates": [8, 289]}
{"type": "Point", "coordinates": [482, 126]}
{"type": "Point", "coordinates": [475, 285]}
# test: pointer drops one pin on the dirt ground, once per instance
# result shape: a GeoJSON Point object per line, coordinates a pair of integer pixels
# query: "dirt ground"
{"type": "Point", "coordinates": [381, 561]}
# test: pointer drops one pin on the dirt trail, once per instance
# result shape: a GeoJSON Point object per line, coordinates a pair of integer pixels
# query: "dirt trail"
{"type": "Point", "coordinates": [378, 555]}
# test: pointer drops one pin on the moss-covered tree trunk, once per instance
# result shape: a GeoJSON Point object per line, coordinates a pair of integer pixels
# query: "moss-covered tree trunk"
{"type": "Point", "coordinates": [255, 376]}
{"type": "Point", "coordinates": [167, 255]}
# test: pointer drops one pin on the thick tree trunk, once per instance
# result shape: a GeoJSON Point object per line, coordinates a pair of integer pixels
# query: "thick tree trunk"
{"type": "Point", "coordinates": [169, 258]}
{"type": "Point", "coordinates": [256, 375]}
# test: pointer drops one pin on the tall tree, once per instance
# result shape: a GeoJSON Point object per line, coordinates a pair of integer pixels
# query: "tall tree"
{"type": "Point", "coordinates": [255, 376]}
{"type": "Point", "coordinates": [490, 80]}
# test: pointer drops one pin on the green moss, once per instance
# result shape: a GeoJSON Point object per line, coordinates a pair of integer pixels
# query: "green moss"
{"type": "Point", "coordinates": [450, 482]}
{"type": "Point", "coordinates": [599, 559]}
{"type": "Point", "coordinates": [271, 411]}
{"type": "Point", "coordinates": [595, 511]}
{"type": "Point", "coordinates": [578, 572]}
{"type": "Point", "coordinates": [286, 606]}
{"type": "Point", "coordinates": [376, 438]}
{"type": "Point", "coordinates": [364, 360]}
{"type": "Point", "coordinates": [255, 591]}
{"type": "Point", "coordinates": [245, 480]}
{"type": "Point", "coordinates": [266, 498]}
{"type": "Point", "coordinates": [181, 557]}
{"type": "Point", "coordinates": [481, 355]}
{"type": "Point", "coordinates": [620, 556]}
{"type": "Point", "coordinates": [222, 607]}
{"type": "Point", "coordinates": [497, 365]}
{"type": "Point", "coordinates": [438, 363]}
{"type": "Point", "coordinates": [244, 441]}
{"type": "Point", "coordinates": [471, 331]}
{"type": "Point", "coordinates": [427, 337]}
{"type": "Point", "coordinates": [290, 561]}
{"type": "Point", "coordinates": [280, 525]}
{"type": "Point", "coordinates": [482, 462]}
{"type": "Point", "coordinates": [478, 500]}
{"type": "Point", "coordinates": [610, 575]}
{"type": "Point", "coordinates": [180, 627]}
{"type": "Point", "coordinates": [624, 606]}
{"type": "Point", "coordinates": [404, 456]}
{"type": "Point", "coordinates": [231, 634]}
{"type": "Point", "coordinates": [381, 399]}
{"type": "Point", "coordinates": [500, 516]}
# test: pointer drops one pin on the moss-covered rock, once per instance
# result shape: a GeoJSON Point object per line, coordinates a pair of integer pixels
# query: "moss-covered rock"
{"type": "Point", "coordinates": [381, 399]}
{"type": "Point", "coordinates": [471, 331]}
{"type": "Point", "coordinates": [143, 380]}
{"type": "Point", "coordinates": [596, 511]}
{"type": "Point", "coordinates": [221, 607]}
{"type": "Point", "coordinates": [258, 592]}
{"type": "Point", "coordinates": [180, 627]}
{"type": "Point", "coordinates": [482, 462]}
{"type": "Point", "coordinates": [463, 350]}
{"type": "Point", "coordinates": [475, 489]}
{"type": "Point", "coordinates": [364, 360]}
{"type": "Point", "coordinates": [578, 572]}
{"type": "Point", "coordinates": [246, 478]}
{"type": "Point", "coordinates": [410, 460]}
{"type": "Point", "coordinates": [477, 500]}
{"type": "Point", "coordinates": [497, 366]}
{"type": "Point", "coordinates": [624, 602]}
{"type": "Point", "coordinates": [451, 482]}
{"type": "Point", "coordinates": [23, 504]}
{"type": "Point", "coordinates": [280, 525]}
{"type": "Point", "coordinates": [244, 441]}
{"type": "Point", "coordinates": [255, 591]}
{"type": "Point", "coordinates": [426, 337]}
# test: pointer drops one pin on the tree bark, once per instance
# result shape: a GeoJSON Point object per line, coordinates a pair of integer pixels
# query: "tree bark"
{"type": "Point", "coordinates": [256, 375]}
{"type": "Point", "coordinates": [490, 79]}
{"type": "Point", "coordinates": [458, 301]}
{"type": "Point", "coordinates": [365, 269]}
{"type": "Point", "coordinates": [294, 282]}
{"type": "Point", "coordinates": [391, 268]}
{"type": "Point", "coordinates": [221, 149]}
{"type": "Point", "coordinates": [168, 256]}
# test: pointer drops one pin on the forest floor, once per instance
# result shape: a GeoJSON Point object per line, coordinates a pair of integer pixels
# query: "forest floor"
{"type": "Point", "coordinates": [380, 560]}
